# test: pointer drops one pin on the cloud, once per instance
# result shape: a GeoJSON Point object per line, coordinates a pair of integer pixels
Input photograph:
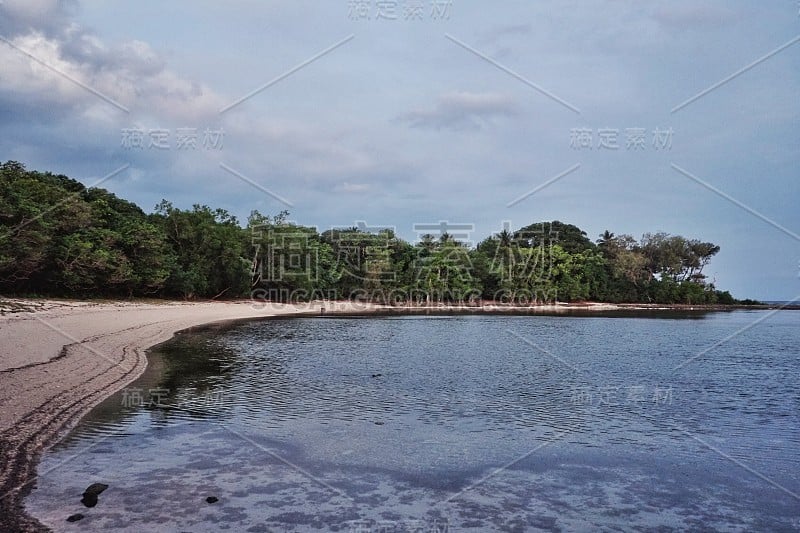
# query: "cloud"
{"type": "Point", "coordinates": [321, 139]}
{"type": "Point", "coordinates": [78, 83]}
{"type": "Point", "coordinates": [500, 32]}
{"type": "Point", "coordinates": [462, 111]}
{"type": "Point", "coordinates": [24, 16]}
{"type": "Point", "coordinates": [693, 16]}
{"type": "Point", "coordinates": [353, 188]}
{"type": "Point", "coordinates": [51, 62]}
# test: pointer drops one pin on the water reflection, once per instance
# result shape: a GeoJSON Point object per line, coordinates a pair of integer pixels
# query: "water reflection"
{"type": "Point", "coordinates": [562, 423]}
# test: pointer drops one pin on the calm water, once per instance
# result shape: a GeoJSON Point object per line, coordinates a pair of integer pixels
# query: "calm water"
{"type": "Point", "coordinates": [448, 423]}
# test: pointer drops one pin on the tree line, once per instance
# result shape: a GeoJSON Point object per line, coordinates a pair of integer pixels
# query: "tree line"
{"type": "Point", "coordinates": [59, 238]}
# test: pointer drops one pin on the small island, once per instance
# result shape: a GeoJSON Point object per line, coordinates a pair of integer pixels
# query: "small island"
{"type": "Point", "coordinates": [65, 240]}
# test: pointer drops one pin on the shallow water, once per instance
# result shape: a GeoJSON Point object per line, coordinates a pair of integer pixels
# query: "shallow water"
{"type": "Point", "coordinates": [448, 423]}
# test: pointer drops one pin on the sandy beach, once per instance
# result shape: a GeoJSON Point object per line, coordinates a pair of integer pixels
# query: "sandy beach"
{"type": "Point", "coordinates": [58, 359]}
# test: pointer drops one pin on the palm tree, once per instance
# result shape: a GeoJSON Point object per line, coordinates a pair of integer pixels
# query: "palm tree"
{"type": "Point", "coordinates": [427, 242]}
{"type": "Point", "coordinates": [606, 238]}
{"type": "Point", "coordinates": [505, 237]}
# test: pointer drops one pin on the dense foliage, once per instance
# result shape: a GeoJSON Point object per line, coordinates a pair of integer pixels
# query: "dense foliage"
{"type": "Point", "coordinates": [60, 238]}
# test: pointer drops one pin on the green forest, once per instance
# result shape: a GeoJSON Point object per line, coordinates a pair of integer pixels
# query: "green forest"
{"type": "Point", "coordinates": [59, 238]}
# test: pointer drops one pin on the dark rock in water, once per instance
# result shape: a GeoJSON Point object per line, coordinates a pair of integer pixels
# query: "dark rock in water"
{"type": "Point", "coordinates": [377, 375]}
{"type": "Point", "coordinates": [89, 501]}
{"type": "Point", "coordinates": [95, 489]}
{"type": "Point", "coordinates": [378, 423]}
{"type": "Point", "coordinates": [212, 499]}
{"type": "Point", "coordinates": [91, 493]}
{"type": "Point", "coordinates": [75, 517]}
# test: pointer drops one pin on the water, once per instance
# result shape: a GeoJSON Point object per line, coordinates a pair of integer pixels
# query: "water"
{"type": "Point", "coordinates": [448, 423]}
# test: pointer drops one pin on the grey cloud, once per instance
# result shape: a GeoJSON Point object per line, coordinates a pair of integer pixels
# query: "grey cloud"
{"type": "Point", "coordinates": [462, 111]}
{"type": "Point", "coordinates": [135, 58]}
{"type": "Point", "coordinates": [321, 138]}
{"type": "Point", "coordinates": [693, 16]}
{"type": "Point", "coordinates": [129, 74]}
{"type": "Point", "coordinates": [500, 32]}
{"type": "Point", "coordinates": [23, 16]}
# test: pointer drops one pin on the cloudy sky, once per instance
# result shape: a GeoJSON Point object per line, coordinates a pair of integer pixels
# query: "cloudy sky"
{"type": "Point", "coordinates": [679, 116]}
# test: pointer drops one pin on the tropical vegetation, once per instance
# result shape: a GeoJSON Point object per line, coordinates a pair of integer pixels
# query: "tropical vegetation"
{"type": "Point", "coordinates": [59, 238]}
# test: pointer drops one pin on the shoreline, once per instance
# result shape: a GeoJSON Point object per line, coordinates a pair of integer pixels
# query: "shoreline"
{"type": "Point", "coordinates": [60, 358]}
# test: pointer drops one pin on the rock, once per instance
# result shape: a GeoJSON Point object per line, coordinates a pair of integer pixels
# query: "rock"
{"type": "Point", "coordinates": [212, 499]}
{"type": "Point", "coordinates": [377, 375]}
{"type": "Point", "coordinates": [378, 423]}
{"type": "Point", "coordinates": [91, 493]}
{"type": "Point", "coordinates": [89, 501]}
{"type": "Point", "coordinates": [75, 517]}
{"type": "Point", "coordinates": [95, 489]}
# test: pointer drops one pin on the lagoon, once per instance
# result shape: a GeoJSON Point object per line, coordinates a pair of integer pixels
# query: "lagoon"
{"type": "Point", "coordinates": [408, 423]}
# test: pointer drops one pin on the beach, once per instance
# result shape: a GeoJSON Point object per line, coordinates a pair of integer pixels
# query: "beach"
{"type": "Point", "coordinates": [60, 358]}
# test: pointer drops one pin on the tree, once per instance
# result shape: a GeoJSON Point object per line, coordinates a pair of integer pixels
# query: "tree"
{"type": "Point", "coordinates": [292, 261]}
{"type": "Point", "coordinates": [58, 237]}
{"type": "Point", "coordinates": [569, 237]}
{"type": "Point", "coordinates": [605, 239]}
{"type": "Point", "coordinates": [36, 210]}
{"type": "Point", "coordinates": [676, 257]}
{"type": "Point", "coordinates": [208, 247]}
{"type": "Point", "coordinates": [445, 274]}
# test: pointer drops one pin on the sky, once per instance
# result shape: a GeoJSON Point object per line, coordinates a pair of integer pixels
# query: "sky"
{"type": "Point", "coordinates": [679, 116]}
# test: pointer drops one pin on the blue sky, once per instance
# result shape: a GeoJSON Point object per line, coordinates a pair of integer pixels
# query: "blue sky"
{"type": "Point", "coordinates": [447, 115]}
